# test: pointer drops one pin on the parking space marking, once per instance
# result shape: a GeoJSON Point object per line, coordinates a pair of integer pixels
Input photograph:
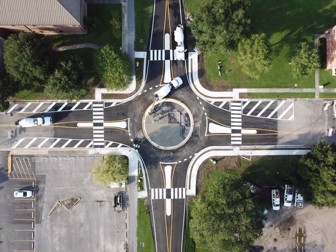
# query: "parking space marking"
{"type": "Point", "coordinates": [64, 145]}
{"type": "Point", "coordinates": [79, 143]}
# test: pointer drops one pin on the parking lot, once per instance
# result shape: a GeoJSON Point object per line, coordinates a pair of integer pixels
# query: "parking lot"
{"type": "Point", "coordinates": [91, 224]}
{"type": "Point", "coordinates": [68, 212]}
{"type": "Point", "coordinates": [17, 215]}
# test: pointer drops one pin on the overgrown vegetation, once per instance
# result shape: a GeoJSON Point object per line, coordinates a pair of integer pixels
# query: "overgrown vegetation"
{"type": "Point", "coordinates": [113, 168]}
{"type": "Point", "coordinates": [35, 71]}
{"type": "Point", "coordinates": [113, 67]}
{"type": "Point", "coordinates": [318, 175]}
{"type": "Point", "coordinates": [224, 216]}
{"type": "Point", "coordinates": [220, 24]}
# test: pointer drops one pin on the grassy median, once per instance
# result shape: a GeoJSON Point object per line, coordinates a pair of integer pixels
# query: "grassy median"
{"type": "Point", "coordinates": [144, 228]}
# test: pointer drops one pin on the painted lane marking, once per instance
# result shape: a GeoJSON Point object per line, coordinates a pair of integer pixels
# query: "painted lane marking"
{"type": "Point", "coordinates": [284, 113]}
{"type": "Point", "coordinates": [276, 109]}
{"type": "Point", "coordinates": [264, 109]}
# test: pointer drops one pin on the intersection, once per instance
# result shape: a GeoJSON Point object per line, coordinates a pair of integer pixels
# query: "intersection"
{"type": "Point", "coordinates": [223, 121]}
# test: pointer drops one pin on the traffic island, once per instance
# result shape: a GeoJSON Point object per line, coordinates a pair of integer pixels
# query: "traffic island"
{"type": "Point", "coordinates": [167, 124]}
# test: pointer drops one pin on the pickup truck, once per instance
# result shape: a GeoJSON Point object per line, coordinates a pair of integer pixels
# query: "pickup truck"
{"type": "Point", "coordinates": [275, 199]}
{"type": "Point", "coordinates": [118, 202]}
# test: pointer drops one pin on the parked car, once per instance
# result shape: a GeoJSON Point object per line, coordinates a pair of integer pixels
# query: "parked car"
{"type": "Point", "coordinates": [275, 199]}
{"type": "Point", "coordinates": [37, 121]}
{"type": "Point", "coordinates": [23, 193]}
{"type": "Point", "coordinates": [118, 201]}
{"type": "Point", "coordinates": [166, 88]}
{"type": "Point", "coordinates": [288, 196]}
{"type": "Point", "coordinates": [298, 199]}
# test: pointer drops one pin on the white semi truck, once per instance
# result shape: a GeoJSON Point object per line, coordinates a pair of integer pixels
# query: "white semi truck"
{"type": "Point", "coordinates": [179, 39]}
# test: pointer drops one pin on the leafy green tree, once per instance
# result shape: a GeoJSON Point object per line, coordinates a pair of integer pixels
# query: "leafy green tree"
{"type": "Point", "coordinates": [113, 168]}
{"type": "Point", "coordinates": [305, 61]}
{"type": "Point", "coordinates": [224, 217]}
{"type": "Point", "coordinates": [113, 67]}
{"type": "Point", "coordinates": [25, 59]}
{"type": "Point", "coordinates": [220, 24]}
{"type": "Point", "coordinates": [254, 55]}
{"type": "Point", "coordinates": [67, 81]}
{"type": "Point", "coordinates": [318, 173]}
{"type": "Point", "coordinates": [8, 87]}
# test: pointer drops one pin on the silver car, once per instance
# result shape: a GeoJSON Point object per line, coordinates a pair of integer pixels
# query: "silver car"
{"type": "Point", "coordinates": [37, 121]}
{"type": "Point", "coordinates": [23, 193]}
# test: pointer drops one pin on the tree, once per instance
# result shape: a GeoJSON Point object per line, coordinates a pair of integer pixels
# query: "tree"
{"type": "Point", "coordinates": [113, 168]}
{"type": "Point", "coordinates": [114, 68]}
{"type": "Point", "coordinates": [8, 87]}
{"type": "Point", "coordinates": [224, 217]}
{"type": "Point", "coordinates": [305, 61]}
{"type": "Point", "coordinates": [220, 24]}
{"type": "Point", "coordinates": [254, 55]}
{"type": "Point", "coordinates": [318, 174]}
{"type": "Point", "coordinates": [25, 59]}
{"type": "Point", "coordinates": [67, 82]}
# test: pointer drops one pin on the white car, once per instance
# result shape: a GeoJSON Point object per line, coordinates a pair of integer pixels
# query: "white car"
{"type": "Point", "coordinates": [37, 121]}
{"type": "Point", "coordinates": [288, 196]}
{"type": "Point", "coordinates": [23, 194]}
{"type": "Point", "coordinates": [275, 199]}
{"type": "Point", "coordinates": [166, 88]}
{"type": "Point", "coordinates": [298, 199]}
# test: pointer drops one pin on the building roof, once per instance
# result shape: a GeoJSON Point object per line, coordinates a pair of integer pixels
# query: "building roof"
{"type": "Point", "coordinates": [40, 12]}
{"type": "Point", "coordinates": [331, 47]}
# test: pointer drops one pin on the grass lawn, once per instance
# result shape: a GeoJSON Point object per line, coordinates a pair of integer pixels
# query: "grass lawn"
{"type": "Point", "coordinates": [144, 228]}
{"type": "Point", "coordinates": [286, 23]}
{"type": "Point", "coordinates": [103, 27]}
{"type": "Point", "coordinates": [143, 17]}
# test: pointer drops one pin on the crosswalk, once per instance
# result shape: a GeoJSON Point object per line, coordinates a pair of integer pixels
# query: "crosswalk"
{"type": "Point", "coordinates": [170, 193]}
{"type": "Point", "coordinates": [269, 109]}
{"type": "Point", "coordinates": [236, 122]}
{"type": "Point", "coordinates": [161, 54]}
{"type": "Point", "coordinates": [98, 124]}
{"type": "Point", "coordinates": [48, 107]}
{"type": "Point", "coordinates": [62, 143]}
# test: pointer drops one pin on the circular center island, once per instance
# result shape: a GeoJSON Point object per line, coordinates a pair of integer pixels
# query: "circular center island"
{"type": "Point", "coordinates": [167, 124]}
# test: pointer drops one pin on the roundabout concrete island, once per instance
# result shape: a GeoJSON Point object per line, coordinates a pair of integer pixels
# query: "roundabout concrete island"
{"type": "Point", "coordinates": [167, 124]}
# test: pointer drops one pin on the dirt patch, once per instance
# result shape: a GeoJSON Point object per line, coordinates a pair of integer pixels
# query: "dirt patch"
{"type": "Point", "coordinates": [222, 163]}
{"type": "Point", "coordinates": [293, 228]}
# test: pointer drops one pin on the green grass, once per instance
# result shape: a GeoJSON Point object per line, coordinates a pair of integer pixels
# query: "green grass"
{"type": "Point", "coordinates": [281, 95]}
{"type": "Point", "coordinates": [30, 94]}
{"type": "Point", "coordinates": [270, 171]}
{"type": "Point", "coordinates": [103, 27]}
{"type": "Point", "coordinates": [143, 18]}
{"type": "Point", "coordinates": [144, 228]}
{"type": "Point", "coordinates": [286, 24]}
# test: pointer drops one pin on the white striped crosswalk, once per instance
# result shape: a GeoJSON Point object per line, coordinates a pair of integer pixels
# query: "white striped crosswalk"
{"type": "Point", "coordinates": [170, 193]}
{"type": "Point", "coordinates": [236, 122]}
{"type": "Point", "coordinates": [160, 54]}
{"type": "Point", "coordinates": [98, 124]}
